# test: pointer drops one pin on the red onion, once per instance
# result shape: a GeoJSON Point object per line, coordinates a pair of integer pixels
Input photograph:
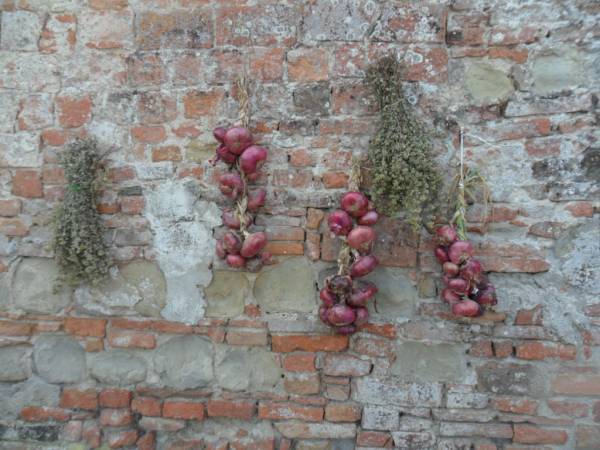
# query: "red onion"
{"type": "Point", "coordinates": [323, 313]}
{"type": "Point", "coordinates": [225, 155]}
{"type": "Point", "coordinates": [340, 285]}
{"type": "Point", "coordinates": [441, 255]}
{"type": "Point", "coordinates": [340, 315]}
{"type": "Point", "coordinates": [231, 184]}
{"type": "Point", "coordinates": [487, 296]}
{"type": "Point", "coordinates": [460, 251]}
{"type": "Point", "coordinates": [362, 316]}
{"type": "Point", "coordinates": [446, 279]}
{"type": "Point", "coordinates": [254, 264]}
{"type": "Point", "coordinates": [236, 261]}
{"type": "Point", "coordinates": [361, 294]}
{"type": "Point", "coordinates": [459, 285]}
{"type": "Point", "coordinates": [346, 330]}
{"type": "Point", "coordinates": [450, 297]}
{"type": "Point", "coordinates": [363, 266]}
{"type": "Point", "coordinates": [267, 258]}
{"type": "Point", "coordinates": [355, 203]}
{"type": "Point", "coordinates": [361, 238]}
{"type": "Point", "coordinates": [327, 297]}
{"type": "Point", "coordinates": [252, 176]}
{"type": "Point", "coordinates": [237, 139]}
{"type": "Point", "coordinates": [369, 218]}
{"type": "Point", "coordinates": [219, 134]}
{"type": "Point", "coordinates": [256, 199]}
{"type": "Point", "coordinates": [450, 269]}
{"type": "Point", "coordinates": [220, 250]}
{"type": "Point", "coordinates": [471, 270]}
{"type": "Point", "coordinates": [340, 223]}
{"type": "Point", "coordinates": [231, 220]}
{"type": "Point", "coordinates": [252, 159]}
{"type": "Point", "coordinates": [232, 243]}
{"type": "Point", "coordinates": [446, 235]}
{"type": "Point", "coordinates": [466, 308]}
{"type": "Point", "coordinates": [253, 244]}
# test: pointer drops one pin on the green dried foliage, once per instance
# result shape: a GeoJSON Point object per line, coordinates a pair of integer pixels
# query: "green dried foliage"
{"type": "Point", "coordinates": [403, 172]}
{"type": "Point", "coordinates": [80, 251]}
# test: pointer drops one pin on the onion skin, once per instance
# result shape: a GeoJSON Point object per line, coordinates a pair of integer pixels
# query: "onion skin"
{"type": "Point", "coordinates": [253, 244]}
{"type": "Point", "coordinates": [231, 220]}
{"type": "Point", "coordinates": [450, 297]}
{"type": "Point", "coordinates": [487, 296]}
{"type": "Point", "coordinates": [340, 285]}
{"type": "Point", "coordinates": [237, 139]}
{"type": "Point", "coordinates": [370, 218]}
{"type": "Point", "coordinates": [466, 308]}
{"type": "Point", "coordinates": [355, 203]}
{"type": "Point", "coordinates": [232, 243]}
{"type": "Point", "coordinates": [323, 313]}
{"type": "Point", "coordinates": [362, 316]}
{"type": "Point", "coordinates": [361, 238]}
{"type": "Point", "coordinates": [236, 261]}
{"type": "Point", "coordinates": [360, 295]}
{"type": "Point", "coordinates": [225, 155]}
{"type": "Point", "coordinates": [340, 315]}
{"type": "Point", "coordinates": [471, 270]}
{"type": "Point", "coordinates": [441, 255]}
{"type": "Point", "coordinates": [446, 235]}
{"type": "Point", "coordinates": [340, 223]}
{"type": "Point", "coordinates": [460, 252]}
{"type": "Point", "coordinates": [256, 199]}
{"type": "Point", "coordinates": [252, 159]}
{"type": "Point", "coordinates": [346, 330]}
{"type": "Point", "coordinates": [231, 185]}
{"type": "Point", "coordinates": [267, 258]}
{"type": "Point", "coordinates": [327, 297]}
{"type": "Point", "coordinates": [219, 134]}
{"type": "Point", "coordinates": [363, 266]}
{"type": "Point", "coordinates": [459, 285]}
{"type": "Point", "coordinates": [450, 269]}
{"type": "Point", "coordinates": [220, 250]}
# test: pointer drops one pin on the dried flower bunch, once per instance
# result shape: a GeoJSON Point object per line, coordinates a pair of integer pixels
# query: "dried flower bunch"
{"type": "Point", "coordinates": [80, 250]}
{"type": "Point", "coordinates": [404, 174]}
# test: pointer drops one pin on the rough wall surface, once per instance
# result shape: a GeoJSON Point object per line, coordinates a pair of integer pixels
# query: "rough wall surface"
{"type": "Point", "coordinates": [175, 351]}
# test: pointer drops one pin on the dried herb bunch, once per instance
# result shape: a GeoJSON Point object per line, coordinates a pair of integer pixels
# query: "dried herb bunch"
{"type": "Point", "coordinates": [80, 251]}
{"type": "Point", "coordinates": [404, 174]}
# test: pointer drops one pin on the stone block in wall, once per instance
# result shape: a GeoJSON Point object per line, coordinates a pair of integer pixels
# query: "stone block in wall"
{"type": "Point", "coordinates": [239, 369]}
{"type": "Point", "coordinates": [418, 361]}
{"type": "Point", "coordinates": [185, 362]}
{"type": "Point", "coordinates": [16, 363]}
{"type": "Point", "coordinates": [226, 294]}
{"type": "Point", "coordinates": [53, 355]}
{"type": "Point", "coordinates": [117, 367]}
{"type": "Point", "coordinates": [33, 392]}
{"type": "Point", "coordinates": [177, 30]}
{"type": "Point", "coordinates": [397, 294]}
{"type": "Point", "coordinates": [511, 379]}
{"type": "Point", "coordinates": [20, 31]}
{"type": "Point", "coordinates": [395, 391]}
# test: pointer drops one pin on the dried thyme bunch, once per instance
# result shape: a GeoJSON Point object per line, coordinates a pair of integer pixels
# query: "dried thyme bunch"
{"type": "Point", "coordinates": [80, 251]}
{"type": "Point", "coordinates": [404, 175]}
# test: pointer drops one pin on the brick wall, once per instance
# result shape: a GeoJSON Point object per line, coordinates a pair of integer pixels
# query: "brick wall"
{"type": "Point", "coordinates": [176, 351]}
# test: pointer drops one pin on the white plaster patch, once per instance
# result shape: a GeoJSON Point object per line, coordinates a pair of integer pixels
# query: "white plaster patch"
{"type": "Point", "coordinates": [184, 246]}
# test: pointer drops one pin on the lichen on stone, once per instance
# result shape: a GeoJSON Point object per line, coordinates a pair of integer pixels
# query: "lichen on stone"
{"type": "Point", "coordinates": [403, 173]}
{"type": "Point", "coordinates": [79, 247]}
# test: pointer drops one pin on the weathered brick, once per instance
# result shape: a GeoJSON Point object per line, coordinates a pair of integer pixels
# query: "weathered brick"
{"type": "Point", "coordinates": [307, 64]}
{"type": "Point", "coordinates": [115, 398]}
{"type": "Point", "coordinates": [72, 111]}
{"type": "Point", "coordinates": [568, 408]}
{"type": "Point", "coordinates": [147, 406]}
{"type": "Point", "coordinates": [120, 438]}
{"type": "Point", "coordinates": [10, 208]}
{"type": "Point", "coordinates": [27, 183]}
{"type": "Point", "coordinates": [243, 410]}
{"type": "Point", "coordinates": [343, 412]}
{"type": "Point", "coordinates": [115, 417]}
{"type": "Point", "coordinates": [8, 328]}
{"type": "Point", "coordinates": [133, 339]}
{"type": "Point", "coordinates": [298, 430]}
{"type": "Point", "coordinates": [345, 366]}
{"type": "Point", "coordinates": [529, 434]}
{"type": "Point", "coordinates": [312, 343]}
{"type": "Point", "coordinates": [489, 430]}
{"type": "Point", "coordinates": [587, 436]}
{"type": "Point", "coordinates": [515, 405]}
{"type": "Point", "coordinates": [375, 439]}
{"type": "Point", "coordinates": [248, 338]}
{"type": "Point", "coordinates": [80, 326]}
{"type": "Point", "coordinates": [44, 414]}
{"type": "Point", "coordinates": [299, 362]}
{"type": "Point", "coordinates": [289, 411]}
{"type": "Point", "coordinates": [175, 409]}
{"type": "Point", "coordinates": [148, 134]}
{"type": "Point", "coordinates": [73, 398]}
{"type": "Point", "coordinates": [577, 384]}
{"type": "Point", "coordinates": [302, 383]}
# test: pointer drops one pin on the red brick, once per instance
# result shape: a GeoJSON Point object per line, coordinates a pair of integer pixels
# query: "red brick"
{"type": "Point", "coordinates": [314, 217]}
{"type": "Point", "coordinates": [283, 233]}
{"type": "Point", "coordinates": [335, 180]}
{"type": "Point", "coordinates": [533, 316]}
{"type": "Point", "coordinates": [266, 64]}
{"type": "Point", "coordinates": [13, 227]}
{"type": "Point", "coordinates": [94, 345]}
{"type": "Point", "coordinates": [10, 208]}
{"type": "Point", "coordinates": [167, 153]}
{"type": "Point", "coordinates": [386, 330]}
{"type": "Point", "coordinates": [92, 434]}
{"type": "Point", "coordinates": [341, 365]}
{"type": "Point", "coordinates": [148, 134]}
{"type": "Point", "coordinates": [73, 112]}
{"type": "Point", "coordinates": [147, 406]}
{"type": "Point", "coordinates": [517, 55]}
{"type": "Point", "coordinates": [303, 384]}
{"type": "Point", "coordinates": [374, 347]}
{"type": "Point", "coordinates": [314, 343]}
{"type": "Point", "coordinates": [85, 327]}
{"type": "Point", "coordinates": [27, 183]}
{"type": "Point", "coordinates": [529, 434]}
{"type": "Point", "coordinates": [130, 339]}
{"type": "Point", "coordinates": [285, 248]}
{"type": "Point", "coordinates": [132, 205]}
{"type": "Point", "coordinates": [120, 174]}
{"type": "Point", "coordinates": [15, 328]}
{"type": "Point", "coordinates": [183, 410]}
{"type": "Point", "coordinates": [252, 310]}
{"type": "Point", "coordinates": [301, 158]}
{"type": "Point", "coordinates": [198, 104]}
{"type": "Point", "coordinates": [288, 411]}
{"type": "Point", "coordinates": [73, 398]}
{"type": "Point", "coordinates": [248, 338]}
{"type": "Point", "coordinates": [375, 439]}
{"type": "Point", "coordinates": [577, 384]}
{"type": "Point", "coordinates": [515, 405]}
{"type": "Point", "coordinates": [156, 107]}
{"type": "Point", "coordinates": [503, 349]}
{"type": "Point", "coordinates": [540, 351]}
{"type": "Point", "coordinates": [115, 417]}
{"type": "Point", "coordinates": [53, 175]}
{"type": "Point", "coordinates": [54, 138]}
{"type": "Point", "coordinates": [307, 64]}
{"type": "Point", "coordinates": [187, 130]}
{"type": "Point", "coordinates": [145, 69]}
{"type": "Point", "coordinates": [343, 412]}
{"type": "Point", "coordinates": [147, 441]}
{"type": "Point", "coordinates": [567, 408]}
{"type": "Point", "coordinates": [481, 349]}
{"type": "Point", "coordinates": [243, 410]}
{"type": "Point", "coordinates": [163, 326]}
{"type": "Point", "coordinates": [303, 362]}
{"type": "Point", "coordinates": [121, 438]}
{"type": "Point", "coordinates": [108, 4]}
{"type": "Point", "coordinates": [44, 414]}
{"type": "Point", "coordinates": [580, 209]}
{"type": "Point", "coordinates": [115, 398]}
{"type": "Point", "coordinates": [587, 436]}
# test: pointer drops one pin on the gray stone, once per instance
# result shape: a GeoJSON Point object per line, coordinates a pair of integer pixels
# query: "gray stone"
{"type": "Point", "coordinates": [254, 369]}
{"type": "Point", "coordinates": [397, 292]}
{"type": "Point", "coordinates": [287, 286]}
{"type": "Point", "coordinates": [339, 21]}
{"type": "Point", "coordinates": [556, 72]}
{"type": "Point", "coordinates": [413, 440]}
{"type": "Point", "coordinates": [127, 237]}
{"type": "Point", "coordinates": [380, 418]}
{"type": "Point", "coordinates": [30, 72]}
{"type": "Point", "coordinates": [131, 191]}
{"type": "Point", "coordinates": [185, 362]}
{"type": "Point", "coordinates": [20, 31]}
{"type": "Point", "coordinates": [226, 293]}
{"type": "Point", "coordinates": [590, 163]}
{"type": "Point", "coordinates": [15, 363]}
{"type": "Point", "coordinates": [150, 283]}
{"type": "Point", "coordinates": [59, 359]}
{"type": "Point", "coordinates": [313, 100]}
{"type": "Point", "coordinates": [9, 107]}
{"type": "Point", "coordinates": [117, 367]}
{"type": "Point", "coordinates": [417, 361]}
{"type": "Point", "coordinates": [314, 445]}
{"type": "Point", "coordinates": [486, 82]}
{"type": "Point", "coordinates": [33, 392]}
{"type": "Point", "coordinates": [20, 150]}
{"type": "Point", "coordinates": [33, 286]}
{"type": "Point", "coordinates": [396, 392]}
{"type": "Point", "coordinates": [510, 379]}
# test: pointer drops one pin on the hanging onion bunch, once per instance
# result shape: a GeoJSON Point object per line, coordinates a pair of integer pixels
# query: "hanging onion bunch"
{"type": "Point", "coordinates": [79, 247]}
{"type": "Point", "coordinates": [403, 172]}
